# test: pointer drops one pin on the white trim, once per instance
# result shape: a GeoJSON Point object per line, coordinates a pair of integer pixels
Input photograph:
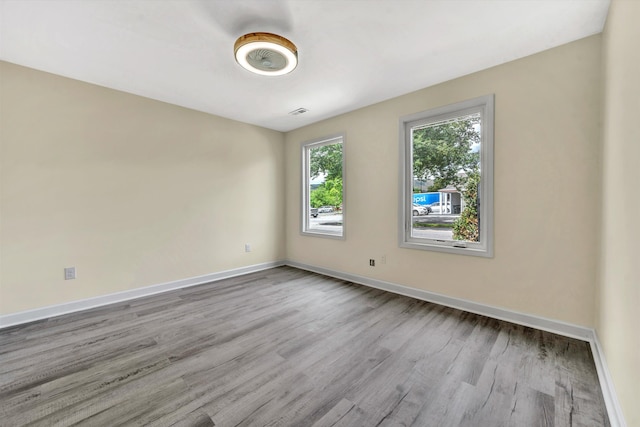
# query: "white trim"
{"type": "Point", "coordinates": [549, 325]}
{"type": "Point", "coordinates": [611, 401]}
{"type": "Point", "coordinates": [86, 304]}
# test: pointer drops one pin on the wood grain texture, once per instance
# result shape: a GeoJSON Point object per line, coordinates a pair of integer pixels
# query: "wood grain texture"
{"type": "Point", "coordinates": [285, 347]}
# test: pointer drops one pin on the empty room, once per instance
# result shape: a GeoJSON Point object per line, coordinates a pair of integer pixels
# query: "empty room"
{"type": "Point", "coordinates": [319, 213]}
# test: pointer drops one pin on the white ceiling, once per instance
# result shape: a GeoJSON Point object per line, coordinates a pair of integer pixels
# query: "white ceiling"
{"type": "Point", "coordinates": [352, 53]}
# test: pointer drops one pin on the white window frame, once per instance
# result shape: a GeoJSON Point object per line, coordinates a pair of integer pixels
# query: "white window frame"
{"type": "Point", "coordinates": [484, 248]}
{"type": "Point", "coordinates": [306, 203]}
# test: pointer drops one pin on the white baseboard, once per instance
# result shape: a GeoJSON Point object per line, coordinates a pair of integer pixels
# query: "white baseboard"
{"type": "Point", "coordinates": [561, 328]}
{"type": "Point", "coordinates": [555, 326]}
{"type": "Point", "coordinates": [13, 319]}
{"type": "Point", "coordinates": [549, 325]}
{"type": "Point", "coordinates": [606, 384]}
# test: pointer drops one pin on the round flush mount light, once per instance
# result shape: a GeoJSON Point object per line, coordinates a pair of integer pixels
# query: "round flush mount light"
{"type": "Point", "coordinates": [266, 54]}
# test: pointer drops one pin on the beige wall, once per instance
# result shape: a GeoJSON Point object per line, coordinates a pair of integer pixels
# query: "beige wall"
{"type": "Point", "coordinates": [131, 191]}
{"type": "Point", "coordinates": [619, 292]}
{"type": "Point", "coordinates": [547, 184]}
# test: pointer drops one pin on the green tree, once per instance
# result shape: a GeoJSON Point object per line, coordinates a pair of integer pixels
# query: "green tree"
{"type": "Point", "coordinates": [466, 227]}
{"type": "Point", "coordinates": [326, 161]}
{"type": "Point", "coordinates": [328, 193]}
{"type": "Point", "coordinates": [443, 153]}
{"type": "Point", "coordinates": [442, 150]}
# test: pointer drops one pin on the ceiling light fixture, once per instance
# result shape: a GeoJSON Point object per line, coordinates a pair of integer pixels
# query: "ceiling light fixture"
{"type": "Point", "coordinates": [266, 54]}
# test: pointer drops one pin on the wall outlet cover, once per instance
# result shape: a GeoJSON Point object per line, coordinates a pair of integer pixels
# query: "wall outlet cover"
{"type": "Point", "coordinates": [69, 273]}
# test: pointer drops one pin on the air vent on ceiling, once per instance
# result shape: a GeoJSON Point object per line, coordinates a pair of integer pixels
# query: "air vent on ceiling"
{"type": "Point", "coordinates": [298, 111]}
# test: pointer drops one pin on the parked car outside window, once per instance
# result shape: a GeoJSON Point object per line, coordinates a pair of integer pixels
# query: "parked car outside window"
{"type": "Point", "coordinates": [420, 210]}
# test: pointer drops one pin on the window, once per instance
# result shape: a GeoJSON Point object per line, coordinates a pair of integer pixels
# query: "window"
{"type": "Point", "coordinates": [447, 179]}
{"type": "Point", "coordinates": [322, 189]}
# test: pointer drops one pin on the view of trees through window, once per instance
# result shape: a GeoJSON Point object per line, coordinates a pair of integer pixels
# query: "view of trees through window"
{"type": "Point", "coordinates": [446, 165]}
{"type": "Point", "coordinates": [326, 170]}
{"type": "Point", "coordinates": [324, 187]}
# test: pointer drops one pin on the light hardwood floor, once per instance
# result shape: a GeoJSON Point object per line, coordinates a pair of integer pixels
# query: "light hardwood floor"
{"type": "Point", "coordinates": [285, 347]}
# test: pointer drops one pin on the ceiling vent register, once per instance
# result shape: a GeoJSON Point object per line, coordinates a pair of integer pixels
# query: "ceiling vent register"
{"type": "Point", "coordinates": [298, 111]}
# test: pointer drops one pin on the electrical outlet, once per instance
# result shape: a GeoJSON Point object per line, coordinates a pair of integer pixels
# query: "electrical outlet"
{"type": "Point", "coordinates": [383, 259]}
{"type": "Point", "coordinates": [69, 273]}
{"type": "Point", "coordinates": [372, 262]}
{"type": "Point", "coordinates": [247, 247]}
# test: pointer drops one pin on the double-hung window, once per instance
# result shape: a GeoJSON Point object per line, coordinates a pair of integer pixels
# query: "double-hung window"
{"type": "Point", "coordinates": [323, 201]}
{"type": "Point", "coordinates": [447, 178]}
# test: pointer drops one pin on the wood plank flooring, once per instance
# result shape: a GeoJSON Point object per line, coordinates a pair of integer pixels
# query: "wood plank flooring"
{"type": "Point", "coordinates": [285, 347]}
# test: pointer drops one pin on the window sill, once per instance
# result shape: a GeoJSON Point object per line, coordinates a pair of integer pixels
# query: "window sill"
{"type": "Point", "coordinates": [325, 234]}
{"type": "Point", "coordinates": [447, 247]}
